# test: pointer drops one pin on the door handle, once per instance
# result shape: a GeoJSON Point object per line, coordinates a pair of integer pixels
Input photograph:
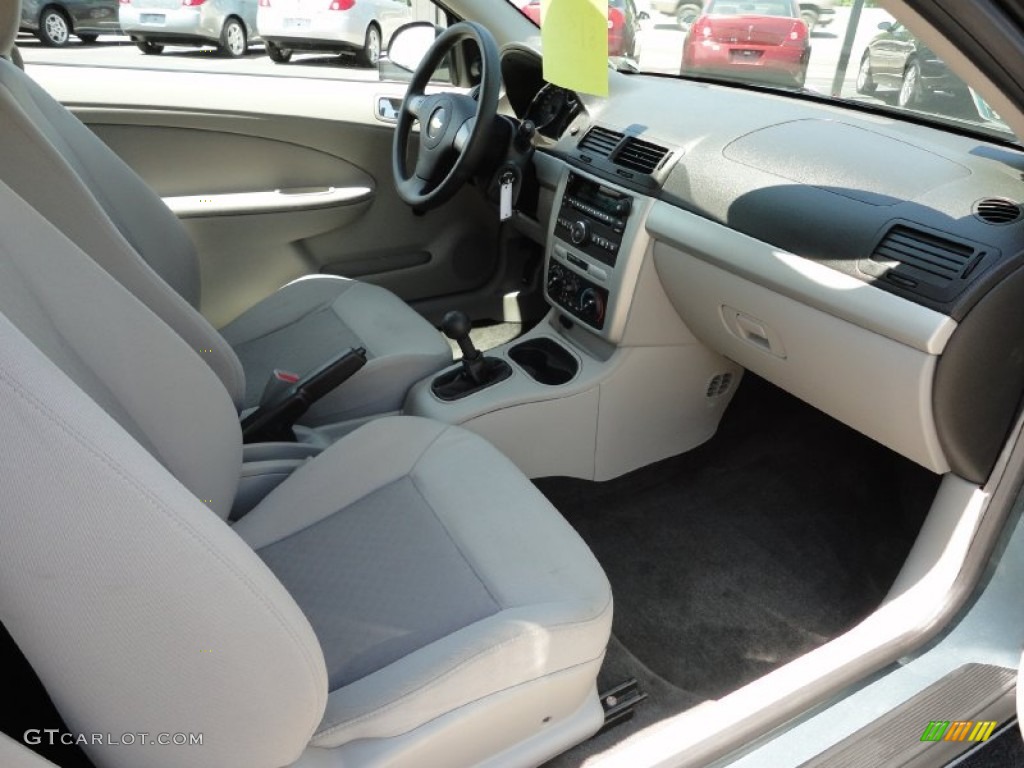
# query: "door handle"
{"type": "Point", "coordinates": [388, 108]}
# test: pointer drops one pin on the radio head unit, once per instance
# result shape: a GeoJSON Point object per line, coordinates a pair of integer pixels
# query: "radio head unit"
{"type": "Point", "coordinates": [592, 218]}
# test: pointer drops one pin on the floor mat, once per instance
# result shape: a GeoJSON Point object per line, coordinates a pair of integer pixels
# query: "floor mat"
{"type": "Point", "coordinates": [486, 337]}
{"type": "Point", "coordinates": [726, 562]}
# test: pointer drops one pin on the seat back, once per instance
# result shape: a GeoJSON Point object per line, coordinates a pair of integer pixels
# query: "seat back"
{"type": "Point", "coordinates": [147, 224]}
{"type": "Point", "coordinates": [138, 608]}
{"type": "Point", "coordinates": [64, 171]}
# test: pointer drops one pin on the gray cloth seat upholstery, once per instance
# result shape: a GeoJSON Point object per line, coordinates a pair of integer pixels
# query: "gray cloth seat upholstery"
{"type": "Point", "coordinates": [65, 172]}
{"type": "Point", "coordinates": [15, 755]}
{"type": "Point", "coordinates": [435, 578]}
{"type": "Point", "coordinates": [291, 328]}
{"type": "Point", "coordinates": [407, 597]}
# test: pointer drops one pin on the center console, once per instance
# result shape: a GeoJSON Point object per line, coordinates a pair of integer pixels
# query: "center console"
{"type": "Point", "coordinates": [611, 379]}
{"type": "Point", "coordinates": [589, 251]}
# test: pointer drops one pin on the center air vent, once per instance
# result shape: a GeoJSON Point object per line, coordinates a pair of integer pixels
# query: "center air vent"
{"type": "Point", "coordinates": [915, 258]}
{"type": "Point", "coordinates": [997, 210]}
{"type": "Point", "coordinates": [600, 141]}
{"type": "Point", "coordinates": [632, 155]}
{"type": "Point", "coordinates": [642, 156]}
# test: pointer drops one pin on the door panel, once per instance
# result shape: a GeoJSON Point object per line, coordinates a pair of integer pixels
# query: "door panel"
{"type": "Point", "coordinates": [216, 159]}
{"type": "Point", "coordinates": [246, 258]}
{"type": "Point", "coordinates": [200, 153]}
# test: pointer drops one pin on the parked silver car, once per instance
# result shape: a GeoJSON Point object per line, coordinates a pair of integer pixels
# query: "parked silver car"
{"type": "Point", "coordinates": [55, 22]}
{"type": "Point", "coordinates": [336, 26]}
{"type": "Point", "coordinates": [231, 24]}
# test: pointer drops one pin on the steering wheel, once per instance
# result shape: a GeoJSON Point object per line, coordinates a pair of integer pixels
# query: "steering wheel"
{"type": "Point", "coordinates": [453, 126]}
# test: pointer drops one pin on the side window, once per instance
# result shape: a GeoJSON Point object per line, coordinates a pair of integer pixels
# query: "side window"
{"type": "Point", "coordinates": [323, 39]}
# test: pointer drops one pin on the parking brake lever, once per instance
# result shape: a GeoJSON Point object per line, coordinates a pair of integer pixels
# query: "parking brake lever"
{"type": "Point", "coordinates": [287, 397]}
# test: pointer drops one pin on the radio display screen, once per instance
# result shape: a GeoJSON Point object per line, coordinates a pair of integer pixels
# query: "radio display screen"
{"type": "Point", "coordinates": [593, 194]}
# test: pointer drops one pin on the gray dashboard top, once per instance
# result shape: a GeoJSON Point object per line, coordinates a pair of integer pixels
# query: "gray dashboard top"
{"type": "Point", "coordinates": [822, 181]}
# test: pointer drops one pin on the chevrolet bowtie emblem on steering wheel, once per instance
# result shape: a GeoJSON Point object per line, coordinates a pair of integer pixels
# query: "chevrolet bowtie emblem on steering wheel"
{"type": "Point", "coordinates": [436, 123]}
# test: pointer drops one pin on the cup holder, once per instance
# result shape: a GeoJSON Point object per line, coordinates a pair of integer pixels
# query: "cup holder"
{"type": "Point", "coordinates": [545, 361]}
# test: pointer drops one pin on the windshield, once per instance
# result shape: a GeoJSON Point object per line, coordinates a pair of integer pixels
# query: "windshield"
{"type": "Point", "coordinates": [854, 52]}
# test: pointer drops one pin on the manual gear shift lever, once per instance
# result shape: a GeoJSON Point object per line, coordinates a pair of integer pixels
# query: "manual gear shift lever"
{"type": "Point", "coordinates": [456, 326]}
{"type": "Point", "coordinates": [476, 371]}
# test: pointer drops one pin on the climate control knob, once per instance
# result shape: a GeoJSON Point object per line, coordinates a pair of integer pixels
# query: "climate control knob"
{"type": "Point", "coordinates": [571, 287]}
{"type": "Point", "coordinates": [556, 279]}
{"type": "Point", "coordinates": [578, 232]}
{"type": "Point", "coordinates": [591, 307]}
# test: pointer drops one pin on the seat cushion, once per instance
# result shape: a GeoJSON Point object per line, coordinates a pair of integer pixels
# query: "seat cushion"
{"type": "Point", "coordinates": [313, 318]}
{"type": "Point", "coordinates": [433, 573]}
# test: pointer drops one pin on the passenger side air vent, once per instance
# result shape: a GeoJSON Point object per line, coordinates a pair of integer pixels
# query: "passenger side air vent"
{"type": "Point", "coordinates": [641, 156]}
{"type": "Point", "coordinates": [924, 262]}
{"type": "Point", "coordinates": [997, 210]}
{"type": "Point", "coordinates": [600, 141]}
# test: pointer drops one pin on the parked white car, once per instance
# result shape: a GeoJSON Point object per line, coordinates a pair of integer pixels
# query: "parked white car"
{"type": "Point", "coordinates": [335, 26]}
{"type": "Point", "coordinates": [230, 24]}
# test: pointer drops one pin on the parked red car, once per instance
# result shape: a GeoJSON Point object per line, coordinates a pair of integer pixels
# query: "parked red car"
{"type": "Point", "coordinates": [760, 41]}
{"type": "Point", "coordinates": [623, 25]}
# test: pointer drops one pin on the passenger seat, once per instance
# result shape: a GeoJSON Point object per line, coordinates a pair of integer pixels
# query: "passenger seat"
{"type": "Point", "coordinates": [54, 162]}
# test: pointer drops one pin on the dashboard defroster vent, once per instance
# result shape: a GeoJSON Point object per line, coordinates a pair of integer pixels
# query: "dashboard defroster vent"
{"type": "Point", "coordinates": [997, 210]}
{"type": "Point", "coordinates": [600, 141]}
{"type": "Point", "coordinates": [641, 156]}
{"type": "Point", "coordinates": [912, 257]}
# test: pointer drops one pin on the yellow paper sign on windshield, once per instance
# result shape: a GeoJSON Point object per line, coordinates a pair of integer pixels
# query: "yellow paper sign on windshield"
{"type": "Point", "coordinates": [574, 39]}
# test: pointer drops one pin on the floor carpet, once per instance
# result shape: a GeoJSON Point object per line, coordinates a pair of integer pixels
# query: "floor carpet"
{"type": "Point", "coordinates": [784, 530]}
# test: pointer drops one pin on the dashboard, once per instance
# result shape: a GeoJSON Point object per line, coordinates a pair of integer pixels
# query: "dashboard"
{"type": "Point", "coordinates": [869, 265]}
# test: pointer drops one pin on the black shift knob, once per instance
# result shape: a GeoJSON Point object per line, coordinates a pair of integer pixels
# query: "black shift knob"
{"type": "Point", "coordinates": [456, 326]}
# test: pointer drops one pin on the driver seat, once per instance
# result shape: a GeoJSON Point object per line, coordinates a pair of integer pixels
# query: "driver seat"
{"type": "Point", "coordinates": [57, 165]}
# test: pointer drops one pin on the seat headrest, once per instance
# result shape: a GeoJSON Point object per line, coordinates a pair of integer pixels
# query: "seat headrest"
{"type": "Point", "coordinates": [10, 20]}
